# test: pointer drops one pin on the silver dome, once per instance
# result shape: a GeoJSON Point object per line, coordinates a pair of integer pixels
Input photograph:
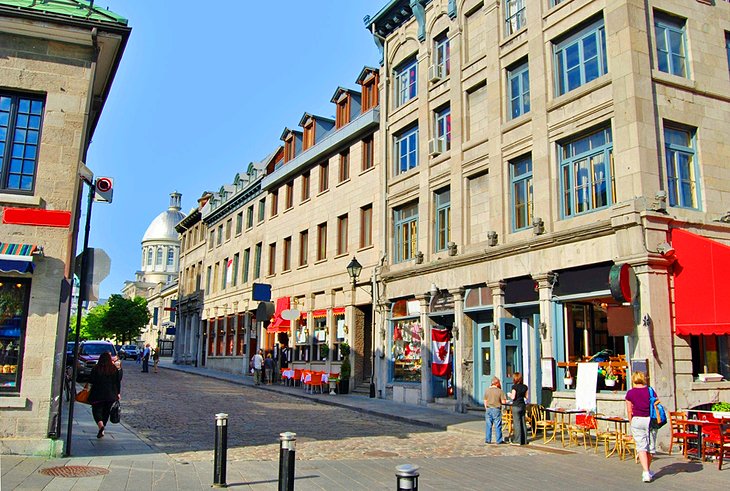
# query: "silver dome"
{"type": "Point", "coordinates": [163, 226]}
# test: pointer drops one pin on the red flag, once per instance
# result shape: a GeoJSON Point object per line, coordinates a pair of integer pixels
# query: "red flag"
{"type": "Point", "coordinates": [440, 356]}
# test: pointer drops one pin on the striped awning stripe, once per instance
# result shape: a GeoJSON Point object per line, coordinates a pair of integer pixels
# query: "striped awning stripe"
{"type": "Point", "coordinates": [18, 252]}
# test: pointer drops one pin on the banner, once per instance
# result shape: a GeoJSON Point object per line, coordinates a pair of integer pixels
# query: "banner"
{"type": "Point", "coordinates": [440, 353]}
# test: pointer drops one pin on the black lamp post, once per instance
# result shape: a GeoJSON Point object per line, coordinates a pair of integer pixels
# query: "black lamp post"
{"type": "Point", "coordinates": [354, 269]}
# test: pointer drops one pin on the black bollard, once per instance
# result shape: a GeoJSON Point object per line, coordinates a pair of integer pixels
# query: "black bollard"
{"type": "Point", "coordinates": [286, 460]}
{"type": "Point", "coordinates": [406, 477]}
{"type": "Point", "coordinates": [221, 449]}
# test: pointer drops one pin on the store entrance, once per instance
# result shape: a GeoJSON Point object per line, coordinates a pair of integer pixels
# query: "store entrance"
{"type": "Point", "coordinates": [509, 333]}
{"type": "Point", "coordinates": [485, 358]}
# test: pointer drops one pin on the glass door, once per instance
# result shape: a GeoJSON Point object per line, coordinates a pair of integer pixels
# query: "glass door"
{"type": "Point", "coordinates": [509, 331]}
{"type": "Point", "coordinates": [484, 357]}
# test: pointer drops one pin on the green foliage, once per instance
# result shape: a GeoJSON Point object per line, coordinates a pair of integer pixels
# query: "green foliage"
{"type": "Point", "coordinates": [345, 369]}
{"type": "Point", "coordinates": [721, 406]}
{"type": "Point", "coordinates": [125, 318]}
{"type": "Point", "coordinates": [92, 324]}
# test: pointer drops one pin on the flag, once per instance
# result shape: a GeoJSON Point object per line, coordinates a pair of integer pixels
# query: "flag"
{"type": "Point", "coordinates": [229, 272]}
{"type": "Point", "coordinates": [440, 355]}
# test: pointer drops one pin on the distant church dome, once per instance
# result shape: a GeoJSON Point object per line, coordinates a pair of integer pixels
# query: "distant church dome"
{"type": "Point", "coordinates": [163, 226]}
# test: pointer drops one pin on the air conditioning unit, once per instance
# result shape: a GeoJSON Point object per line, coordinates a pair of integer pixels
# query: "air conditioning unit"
{"type": "Point", "coordinates": [436, 146]}
{"type": "Point", "coordinates": [434, 73]}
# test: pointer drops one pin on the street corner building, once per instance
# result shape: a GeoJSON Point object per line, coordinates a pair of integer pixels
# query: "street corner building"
{"type": "Point", "coordinates": [57, 63]}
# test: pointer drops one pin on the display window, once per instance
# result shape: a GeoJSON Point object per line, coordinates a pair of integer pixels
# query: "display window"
{"type": "Point", "coordinates": [406, 341]}
{"type": "Point", "coordinates": [321, 338]}
{"type": "Point", "coordinates": [13, 315]}
{"type": "Point", "coordinates": [340, 333]}
{"type": "Point", "coordinates": [301, 351]}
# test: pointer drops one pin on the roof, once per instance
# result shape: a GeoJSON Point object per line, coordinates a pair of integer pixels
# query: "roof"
{"type": "Point", "coordinates": [74, 9]}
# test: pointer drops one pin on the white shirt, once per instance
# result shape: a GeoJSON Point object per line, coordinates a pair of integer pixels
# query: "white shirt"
{"type": "Point", "coordinates": [258, 361]}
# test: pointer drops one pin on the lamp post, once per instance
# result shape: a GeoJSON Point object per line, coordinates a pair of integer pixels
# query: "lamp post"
{"type": "Point", "coordinates": [353, 270]}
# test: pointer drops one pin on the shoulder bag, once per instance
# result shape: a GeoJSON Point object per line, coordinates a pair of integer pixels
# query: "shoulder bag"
{"type": "Point", "coordinates": [83, 395]}
{"type": "Point", "coordinates": [657, 412]}
{"type": "Point", "coordinates": [115, 413]}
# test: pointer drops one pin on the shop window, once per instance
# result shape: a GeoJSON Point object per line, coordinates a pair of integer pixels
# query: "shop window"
{"type": "Point", "coordinates": [671, 44]}
{"type": "Point", "coordinates": [20, 128]}
{"type": "Point", "coordinates": [522, 202]}
{"type": "Point", "coordinates": [301, 352]}
{"type": "Point", "coordinates": [406, 150]}
{"type": "Point", "coordinates": [518, 85]}
{"type": "Point", "coordinates": [13, 316]}
{"type": "Point", "coordinates": [679, 151]}
{"type": "Point", "coordinates": [442, 224]}
{"type": "Point", "coordinates": [321, 339]}
{"type": "Point", "coordinates": [406, 339]}
{"type": "Point", "coordinates": [340, 335]}
{"type": "Point", "coordinates": [405, 82]}
{"type": "Point", "coordinates": [580, 58]}
{"type": "Point", "coordinates": [241, 339]}
{"type": "Point", "coordinates": [405, 228]}
{"type": "Point", "coordinates": [711, 354]}
{"type": "Point", "coordinates": [230, 335]}
{"type": "Point", "coordinates": [220, 336]}
{"type": "Point", "coordinates": [211, 337]}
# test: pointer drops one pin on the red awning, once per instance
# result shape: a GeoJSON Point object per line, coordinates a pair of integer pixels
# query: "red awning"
{"type": "Point", "coordinates": [279, 324]}
{"type": "Point", "coordinates": [701, 285]}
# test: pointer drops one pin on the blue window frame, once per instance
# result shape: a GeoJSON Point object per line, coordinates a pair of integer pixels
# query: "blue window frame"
{"type": "Point", "coordinates": [586, 173]}
{"type": "Point", "coordinates": [442, 54]}
{"type": "Point", "coordinates": [406, 82]}
{"type": "Point", "coordinates": [406, 150]}
{"type": "Point", "coordinates": [671, 48]}
{"type": "Point", "coordinates": [682, 187]}
{"type": "Point", "coordinates": [514, 16]}
{"type": "Point", "coordinates": [580, 58]}
{"type": "Point", "coordinates": [442, 224]}
{"type": "Point", "coordinates": [522, 202]}
{"type": "Point", "coordinates": [727, 48]}
{"type": "Point", "coordinates": [406, 232]}
{"type": "Point", "coordinates": [518, 80]}
{"type": "Point", "coordinates": [20, 128]}
{"type": "Point", "coordinates": [443, 126]}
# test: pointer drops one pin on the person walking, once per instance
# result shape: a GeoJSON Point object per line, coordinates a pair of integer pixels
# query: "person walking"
{"type": "Point", "coordinates": [269, 369]}
{"type": "Point", "coordinates": [638, 413]}
{"type": "Point", "coordinates": [494, 397]}
{"type": "Point", "coordinates": [155, 358]}
{"type": "Point", "coordinates": [519, 403]}
{"type": "Point", "coordinates": [258, 363]}
{"type": "Point", "coordinates": [106, 385]}
{"type": "Point", "coordinates": [146, 359]}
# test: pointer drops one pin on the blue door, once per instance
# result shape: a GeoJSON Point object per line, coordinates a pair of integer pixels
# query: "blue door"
{"type": "Point", "coordinates": [484, 357]}
{"type": "Point", "coordinates": [509, 333]}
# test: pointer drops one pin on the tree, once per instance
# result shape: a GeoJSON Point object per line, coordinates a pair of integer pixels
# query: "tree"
{"type": "Point", "coordinates": [125, 318]}
{"type": "Point", "coordinates": [92, 324]}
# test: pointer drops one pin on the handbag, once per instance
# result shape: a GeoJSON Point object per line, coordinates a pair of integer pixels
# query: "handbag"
{"type": "Point", "coordinates": [657, 413]}
{"type": "Point", "coordinates": [115, 413]}
{"type": "Point", "coordinates": [83, 395]}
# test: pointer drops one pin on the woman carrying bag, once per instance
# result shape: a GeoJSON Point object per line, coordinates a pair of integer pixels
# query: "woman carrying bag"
{"type": "Point", "coordinates": [106, 384]}
{"type": "Point", "coordinates": [638, 411]}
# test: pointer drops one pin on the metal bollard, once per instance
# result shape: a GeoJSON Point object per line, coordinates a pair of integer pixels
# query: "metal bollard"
{"type": "Point", "coordinates": [221, 449]}
{"type": "Point", "coordinates": [406, 477]}
{"type": "Point", "coordinates": [286, 460]}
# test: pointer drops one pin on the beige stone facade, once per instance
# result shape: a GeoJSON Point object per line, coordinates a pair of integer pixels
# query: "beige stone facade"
{"type": "Point", "coordinates": [49, 63]}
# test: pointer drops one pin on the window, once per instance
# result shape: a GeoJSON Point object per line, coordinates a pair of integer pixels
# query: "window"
{"type": "Point", "coordinates": [249, 217]}
{"type": "Point", "coordinates": [407, 333]}
{"type": "Point", "coordinates": [521, 178]}
{"type": "Point", "coordinates": [14, 295]}
{"type": "Point", "coordinates": [262, 209]}
{"type": "Point", "coordinates": [343, 111]}
{"type": "Point", "coordinates": [257, 261]}
{"type": "Point", "coordinates": [681, 167]}
{"type": "Point", "coordinates": [208, 279]}
{"type": "Point", "coordinates": [321, 241]}
{"type": "Point", "coordinates": [345, 166]}
{"type": "Point", "coordinates": [149, 257]}
{"type": "Point", "coordinates": [406, 151]}
{"type": "Point", "coordinates": [586, 173]}
{"type": "Point", "coordinates": [406, 232]}
{"type": "Point", "coordinates": [303, 247]}
{"type": "Point", "coordinates": [727, 48]}
{"type": "Point", "coordinates": [219, 236]}
{"type": "Point", "coordinates": [211, 240]}
{"type": "Point", "coordinates": [324, 177]}
{"type": "Point", "coordinates": [370, 92]}
{"type": "Point", "coordinates": [518, 81]}
{"type": "Point", "coordinates": [671, 49]}
{"type": "Point", "coordinates": [274, 202]}
{"type": "Point", "coordinates": [246, 260]}
{"type": "Point", "coordinates": [368, 153]}
{"type": "Point", "coordinates": [711, 354]}
{"type": "Point", "coordinates": [272, 258]}
{"type": "Point", "coordinates": [305, 186]}
{"type": "Point", "coordinates": [442, 224]}
{"type": "Point", "coordinates": [289, 147]}
{"type": "Point", "coordinates": [234, 273]}
{"type": "Point", "coordinates": [341, 234]}
{"type": "Point", "coordinates": [287, 254]}
{"type": "Point", "coordinates": [229, 226]}
{"type": "Point", "coordinates": [216, 276]}
{"type": "Point", "coordinates": [366, 226]}
{"type": "Point", "coordinates": [289, 195]}
{"type": "Point", "coordinates": [170, 257]}
{"type": "Point", "coordinates": [158, 258]}
{"type": "Point", "coordinates": [308, 138]}
{"type": "Point", "coordinates": [581, 58]}
{"type": "Point", "coordinates": [225, 275]}
{"type": "Point", "coordinates": [514, 16]}
{"type": "Point", "coordinates": [239, 223]}
{"type": "Point", "coordinates": [442, 54]}
{"type": "Point", "coordinates": [20, 129]}
{"type": "Point", "coordinates": [405, 82]}
{"type": "Point", "coordinates": [443, 126]}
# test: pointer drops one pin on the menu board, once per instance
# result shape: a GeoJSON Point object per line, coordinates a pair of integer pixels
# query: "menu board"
{"type": "Point", "coordinates": [585, 391]}
{"type": "Point", "coordinates": [547, 367]}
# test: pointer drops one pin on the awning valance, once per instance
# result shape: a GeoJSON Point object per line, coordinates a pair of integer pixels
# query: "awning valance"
{"type": "Point", "coordinates": [278, 323]}
{"type": "Point", "coordinates": [17, 258]}
{"type": "Point", "coordinates": [701, 286]}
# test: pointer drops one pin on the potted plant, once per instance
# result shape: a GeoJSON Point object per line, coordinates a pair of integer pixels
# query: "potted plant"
{"type": "Point", "coordinates": [568, 380]}
{"type": "Point", "coordinates": [345, 369]}
{"type": "Point", "coordinates": [324, 351]}
{"type": "Point", "coordinates": [721, 410]}
{"type": "Point", "coordinates": [611, 378]}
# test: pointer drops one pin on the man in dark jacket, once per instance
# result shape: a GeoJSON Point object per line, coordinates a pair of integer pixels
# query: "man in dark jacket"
{"type": "Point", "coordinates": [146, 358]}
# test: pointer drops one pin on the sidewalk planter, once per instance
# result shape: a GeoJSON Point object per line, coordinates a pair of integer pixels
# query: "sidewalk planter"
{"type": "Point", "coordinates": [343, 386]}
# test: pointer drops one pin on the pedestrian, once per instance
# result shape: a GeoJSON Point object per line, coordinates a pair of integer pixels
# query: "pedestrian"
{"type": "Point", "coordinates": [146, 359]}
{"type": "Point", "coordinates": [138, 358]}
{"type": "Point", "coordinates": [269, 369]}
{"type": "Point", "coordinates": [519, 402]}
{"type": "Point", "coordinates": [494, 397]}
{"type": "Point", "coordinates": [106, 385]}
{"type": "Point", "coordinates": [155, 358]}
{"type": "Point", "coordinates": [258, 363]}
{"type": "Point", "coordinates": [638, 413]}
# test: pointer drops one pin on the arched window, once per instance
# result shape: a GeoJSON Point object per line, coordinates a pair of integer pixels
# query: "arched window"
{"type": "Point", "coordinates": [170, 256]}
{"type": "Point", "coordinates": [158, 261]}
{"type": "Point", "coordinates": [149, 257]}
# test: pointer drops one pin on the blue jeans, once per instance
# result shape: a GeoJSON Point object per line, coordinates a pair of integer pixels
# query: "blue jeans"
{"type": "Point", "coordinates": [493, 417]}
{"type": "Point", "coordinates": [518, 425]}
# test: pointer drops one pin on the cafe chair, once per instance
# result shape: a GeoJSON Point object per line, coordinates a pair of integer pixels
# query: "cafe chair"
{"type": "Point", "coordinates": [680, 434]}
{"type": "Point", "coordinates": [628, 445]}
{"type": "Point", "coordinates": [315, 381]}
{"type": "Point", "coordinates": [609, 437]}
{"type": "Point", "coordinates": [716, 440]}
{"type": "Point", "coordinates": [542, 421]}
{"type": "Point", "coordinates": [584, 423]}
{"type": "Point", "coordinates": [507, 422]}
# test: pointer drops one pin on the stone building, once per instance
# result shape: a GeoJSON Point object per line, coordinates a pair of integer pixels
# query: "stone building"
{"type": "Point", "coordinates": [57, 64]}
{"type": "Point", "coordinates": [563, 212]}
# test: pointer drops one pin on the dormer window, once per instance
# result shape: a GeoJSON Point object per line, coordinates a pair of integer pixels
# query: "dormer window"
{"type": "Point", "coordinates": [309, 133]}
{"type": "Point", "coordinates": [368, 80]}
{"type": "Point", "coordinates": [343, 110]}
{"type": "Point", "coordinates": [289, 147]}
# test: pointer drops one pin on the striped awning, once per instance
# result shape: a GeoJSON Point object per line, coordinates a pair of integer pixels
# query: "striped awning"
{"type": "Point", "coordinates": [18, 258]}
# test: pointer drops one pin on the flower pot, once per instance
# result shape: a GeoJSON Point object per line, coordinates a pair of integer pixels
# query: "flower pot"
{"type": "Point", "coordinates": [610, 382]}
{"type": "Point", "coordinates": [568, 382]}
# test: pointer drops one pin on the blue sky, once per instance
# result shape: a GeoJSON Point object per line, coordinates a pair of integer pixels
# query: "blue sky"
{"type": "Point", "coordinates": [203, 89]}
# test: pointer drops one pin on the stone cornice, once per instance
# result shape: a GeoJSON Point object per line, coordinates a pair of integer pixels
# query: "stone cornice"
{"type": "Point", "coordinates": [234, 203]}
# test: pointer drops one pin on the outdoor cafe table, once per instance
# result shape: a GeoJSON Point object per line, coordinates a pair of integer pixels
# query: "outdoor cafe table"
{"type": "Point", "coordinates": [288, 374]}
{"type": "Point", "coordinates": [306, 377]}
{"type": "Point", "coordinates": [562, 421]}
{"type": "Point", "coordinates": [698, 422]}
{"type": "Point", "coordinates": [620, 429]}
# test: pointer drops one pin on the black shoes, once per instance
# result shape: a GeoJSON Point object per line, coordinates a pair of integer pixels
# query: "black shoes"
{"type": "Point", "coordinates": [101, 433]}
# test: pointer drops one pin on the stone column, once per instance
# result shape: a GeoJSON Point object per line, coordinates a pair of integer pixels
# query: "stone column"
{"type": "Point", "coordinates": [459, 338]}
{"type": "Point", "coordinates": [497, 288]}
{"type": "Point", "coordinates": [381, 359]}
{"type": "Point", "coordinates": [246, 339]}
{"type": "Point", "coordinates": [426, 385]}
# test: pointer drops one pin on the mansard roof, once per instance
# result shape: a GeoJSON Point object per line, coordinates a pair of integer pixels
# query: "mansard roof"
{"type": "Point", "coordinates": [367, 70]}
{"type": "Point", "coordinates": [306, 116]}
{"type": "Point", "coordinates": [340, 90]}
{"type": "Point", "coordinates": [288, 130]}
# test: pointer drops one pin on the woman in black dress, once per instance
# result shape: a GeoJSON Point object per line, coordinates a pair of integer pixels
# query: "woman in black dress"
{"type": "Point", "coordinates": [519, 401]}
{"type": "Point", "coordinates": [106, 384]}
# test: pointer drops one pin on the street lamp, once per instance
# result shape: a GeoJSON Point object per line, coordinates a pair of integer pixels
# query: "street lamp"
{"type": "Point", "coordinates": [353, 270]}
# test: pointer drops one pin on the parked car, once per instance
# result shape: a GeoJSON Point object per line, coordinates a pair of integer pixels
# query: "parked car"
{"type": "Point", "coordinates": [129, 351]}
{"type": "Point", "coordinates": [89, 352]}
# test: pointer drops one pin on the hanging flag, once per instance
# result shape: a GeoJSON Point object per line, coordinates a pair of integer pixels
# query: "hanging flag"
{"type": "Point", "coordinates": [440, 357]}
{"type": "Point", "coordinates": [229, 272]}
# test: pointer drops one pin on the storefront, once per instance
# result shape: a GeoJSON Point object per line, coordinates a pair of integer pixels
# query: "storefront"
{"type": "Point", "coordinates": [14, 297]}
